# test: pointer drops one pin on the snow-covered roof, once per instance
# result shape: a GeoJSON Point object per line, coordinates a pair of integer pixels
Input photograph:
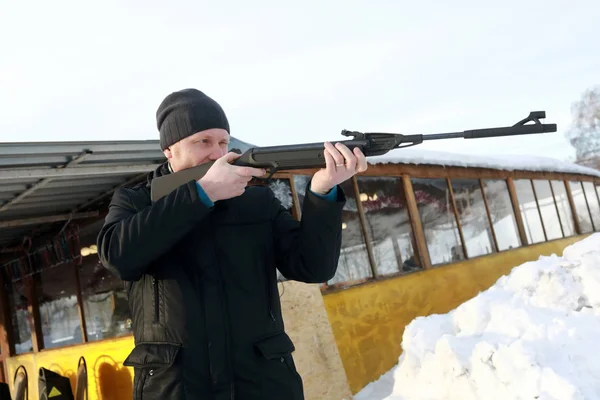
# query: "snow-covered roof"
{"type": "Point", "coordinates": [499, 162]}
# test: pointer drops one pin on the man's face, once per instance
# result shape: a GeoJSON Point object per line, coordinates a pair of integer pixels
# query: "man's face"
{"type": "Point", "coordinates": [198, 149]}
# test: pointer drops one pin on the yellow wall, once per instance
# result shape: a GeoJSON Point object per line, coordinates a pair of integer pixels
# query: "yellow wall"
{"type": "Point", "coordinates": [107, 377]}
{"type": "Point", "coordinates": [368, 320]}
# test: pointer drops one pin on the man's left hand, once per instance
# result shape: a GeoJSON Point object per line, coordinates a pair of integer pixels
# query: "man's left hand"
{"type": "Point", "coordinates": [341, 164]}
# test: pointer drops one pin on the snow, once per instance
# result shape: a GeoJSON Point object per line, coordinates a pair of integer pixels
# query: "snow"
{"type": "Point", "coordinates": [501, 162]}
{"type": "Point", "coordinates": [532, 335]}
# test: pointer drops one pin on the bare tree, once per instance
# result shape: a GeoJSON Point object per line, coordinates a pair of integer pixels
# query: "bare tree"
{"type": "Point", "coordinates": [584, 134]}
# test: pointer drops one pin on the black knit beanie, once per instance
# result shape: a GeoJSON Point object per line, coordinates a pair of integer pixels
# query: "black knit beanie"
{"type": "Point", "coordinates": [185, 112]}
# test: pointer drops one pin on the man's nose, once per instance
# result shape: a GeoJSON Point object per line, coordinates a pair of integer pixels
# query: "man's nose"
{"type": "Point", "coordinates": [216, 153]}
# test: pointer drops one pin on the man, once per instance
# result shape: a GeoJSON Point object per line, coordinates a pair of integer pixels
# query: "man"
{"type": "Point", "coordinates": [200, 263]}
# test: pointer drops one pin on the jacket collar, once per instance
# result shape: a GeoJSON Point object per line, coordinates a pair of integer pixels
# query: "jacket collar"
{"type": "Point", "coordinates": [162, 169]}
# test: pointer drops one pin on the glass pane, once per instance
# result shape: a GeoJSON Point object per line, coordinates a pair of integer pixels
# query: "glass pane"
{"type": "Point", "coordinates": [548, 209]}
{"type": "Point", "coordinates": [21, 318]}
{"type": "Point", "coordinates": [529, 211]}
{"type": "Point", "coordinates": [354, 262]}
{"type": "Point", "coordinates": [474, 220]}
{"type": "Point", "coordinates": [59, 315]}
{"type": "Point", "coordinates": [105, 304]}
{"type": "Point", "coordinates": [581, 210]}
{"type": "Point", "coordinates": [283, 192]}
{"type": "Point", "coordinates": [104, 300]}
{"type": "Point", "coordinates": [502, 213]}
{"type": "Point", "coordinates": [301, 181]}
{"type": "Point", "coordinates": [564, 208]}
{"type": "Point", "coordinates": [592, 200]}
{"type": "Point", "coordinates": [388, 224]}
{"type": "Point", "coordinates": [438, 220]}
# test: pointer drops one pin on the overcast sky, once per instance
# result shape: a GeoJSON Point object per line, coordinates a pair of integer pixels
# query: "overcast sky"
{"type": "Point", "coordinates": [294, 72]}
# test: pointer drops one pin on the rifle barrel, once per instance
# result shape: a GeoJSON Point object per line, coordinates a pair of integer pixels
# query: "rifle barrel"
{"type": "Point", "coordinates": [449, 135]}
{"type": "Point", "coordinates": [494, 132]}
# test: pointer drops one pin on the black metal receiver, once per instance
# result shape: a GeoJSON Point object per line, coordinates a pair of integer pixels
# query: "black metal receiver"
{"type": "Point", "coordinates": [310, 155]}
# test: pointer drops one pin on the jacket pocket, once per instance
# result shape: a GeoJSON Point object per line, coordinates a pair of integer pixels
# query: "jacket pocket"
{"type": "Point", "coordinates": [275, 346]}
{"type": "Point", "coordinates": [277, 349]}
{"type": "Point", "coordinates": [158, 375]}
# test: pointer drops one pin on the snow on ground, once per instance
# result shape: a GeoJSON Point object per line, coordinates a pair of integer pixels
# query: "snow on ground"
{"type": "Point", "coordinates": [535, 334]}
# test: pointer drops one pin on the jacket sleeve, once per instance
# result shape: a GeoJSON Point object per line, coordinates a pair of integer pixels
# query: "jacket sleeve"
{"type": "Point", "coordinates": [131, 238]}
{"type": "Point", "coordinates": [308, 250]}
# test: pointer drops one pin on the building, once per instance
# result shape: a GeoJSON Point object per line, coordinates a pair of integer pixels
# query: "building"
{"type": "Point", "coordinates": [422, 232]}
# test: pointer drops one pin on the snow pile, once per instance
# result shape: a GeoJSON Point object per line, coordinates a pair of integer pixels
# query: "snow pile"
{"type": "Point", "coordinates": [535, 334]}
{"type": "Point", "coordinates": [501, 162]}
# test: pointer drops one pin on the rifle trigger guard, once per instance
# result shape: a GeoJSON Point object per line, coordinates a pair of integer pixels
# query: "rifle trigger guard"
{"type": "Point", "coordinates": [271, 170]}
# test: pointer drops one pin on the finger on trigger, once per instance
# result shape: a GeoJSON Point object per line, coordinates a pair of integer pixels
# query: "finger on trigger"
{"type": "Point", "coordinates": [250, 171]}
{"type": "Point", "coordinates": [257, 172]}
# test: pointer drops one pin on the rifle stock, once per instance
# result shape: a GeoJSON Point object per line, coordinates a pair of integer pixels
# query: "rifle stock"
{"type": "Point", "coordinates": [310, 155]}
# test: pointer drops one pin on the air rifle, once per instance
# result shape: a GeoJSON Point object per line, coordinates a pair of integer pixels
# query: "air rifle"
{"type": "Point", "coordinates": [310, 155]}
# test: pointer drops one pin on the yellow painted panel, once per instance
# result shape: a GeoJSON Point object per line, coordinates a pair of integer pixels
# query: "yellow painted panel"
{"type": "Point", "coordinates": [368, 320]}
{"type": "Point", "coordinates": [107, 377]}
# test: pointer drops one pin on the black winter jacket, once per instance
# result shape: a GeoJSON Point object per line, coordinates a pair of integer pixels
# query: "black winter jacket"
{"type": "Point", "coordinates": [202, 287]}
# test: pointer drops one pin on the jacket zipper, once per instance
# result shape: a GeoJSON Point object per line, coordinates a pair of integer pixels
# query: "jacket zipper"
{"type": "Point", "coordinates": [269, 303]}
{"type": "Point", "coordinates": [224, 304]}
{"type": "Point", "coordinates": [156, 304]}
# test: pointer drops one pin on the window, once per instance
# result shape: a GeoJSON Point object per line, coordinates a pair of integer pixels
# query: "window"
{"type": "Point", "coordinates": [438, 220]}
{"type": "Point", "coordinates": [474, 221]}
{"type": "Point", "coordinates": [283, 192]}
{"type": "Point", "coordinates": [547, 207]}
{"type": "Point", "coordinates": [529, 211]}
{"type": "Point", "coordinates": [388, 224]}
{"type": "Point", "coordinates": [502, 213]}
{"type": "Point", "coordinates": [46, 279]}
{"type": "Point", "coordinates": [56, 289]}
{"type": "Point", "coordinates": [592, 200]}
{"type": "Point", "coordinates": [105, 304]}
{"type": "Point", "coordinates": [20, 315]}
{"type": "Point", "coordinates": [354, 262]}
{"type": "Point", "coordinates": [581, 208]}
{"type": "Point", "coordinates": [564, 208]}
{"type": "Point", "coordinates": [104, 298]}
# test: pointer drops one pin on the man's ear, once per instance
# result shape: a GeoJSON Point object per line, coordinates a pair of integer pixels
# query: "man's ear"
{"type": "Point", "coordinates": [167, 152]}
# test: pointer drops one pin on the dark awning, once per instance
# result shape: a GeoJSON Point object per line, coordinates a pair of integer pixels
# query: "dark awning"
{"type": "Point", "coordinates": [45, 183]}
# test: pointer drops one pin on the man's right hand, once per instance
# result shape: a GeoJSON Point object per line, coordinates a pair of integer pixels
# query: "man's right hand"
{"type": "Point", "coordinates": [224, 181]}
